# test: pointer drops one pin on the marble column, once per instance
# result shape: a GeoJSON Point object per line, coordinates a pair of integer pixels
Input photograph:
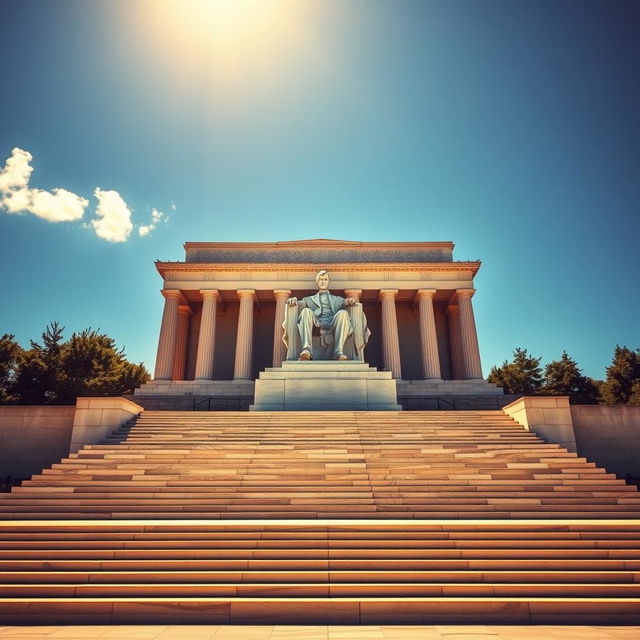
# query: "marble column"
{"type": "Point", "coordinates": [455, 342]}
{"type": "Point", "coordinates": [468, 335]}
{"type": "Point", "coordinates": [390, 341]}
{"type": "Point", "coordinates": [279, 350]}
{"type": "Point", "coordinates": [428, 336]}
{"type": "Point", "coordinates": [168, 333]}
{"type": "Point", "coordinates": [244, 341]}
{"type": "Point", "coordinates": [182, 334]}
{"type": "Point", "coordinates": [207, 336]}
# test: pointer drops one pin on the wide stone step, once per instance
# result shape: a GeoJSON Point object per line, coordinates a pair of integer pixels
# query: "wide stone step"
{"type": "Point", "coordinates": [321, 590]}
{"type": "Point", "coordinates": [354, 482]}
{"type": "Point", "coordinates": [288, 553]}
{"type": "Point", "coordinates": [453, 610]}
{"type": "Point", "coordinates": [480, 512]}
{"type": "Point", "coordinates": [329, 503]}
{"type": "Point", "coordinates": [346, 543]}
{"type": "Point", "coordinates": [343, 494]}
{"type": "Point", "coordinates": [323, 564]}
{"type": "Point", "coordinates": [394, 535]}
{"type": "Point", "coordinates": [319, 577]}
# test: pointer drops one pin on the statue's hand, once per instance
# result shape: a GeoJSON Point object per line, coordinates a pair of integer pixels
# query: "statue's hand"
{"type": "Point", "coordinates": [349, 302]}
{"type": "Point", "coordinates": [292, 302]}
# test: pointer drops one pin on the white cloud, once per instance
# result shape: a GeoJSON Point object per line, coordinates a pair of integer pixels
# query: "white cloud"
{"type": "Point", "coordinates": [16, 200]}
{"type": "Point", "coordinates": [17, 170]}
{"type": "Point", "coordinates": [146, 229]}
{"type": "Point", "coordinates": [58, 205]}
{"type": "Point", "coordinates": [114, 217]}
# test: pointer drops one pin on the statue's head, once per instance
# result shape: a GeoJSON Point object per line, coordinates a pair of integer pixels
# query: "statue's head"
{"type": "Point", "coordinates": [322, 280]}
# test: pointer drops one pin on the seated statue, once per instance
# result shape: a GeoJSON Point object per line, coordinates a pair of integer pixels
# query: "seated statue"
{"type": "Point", "coordinates": [342, 324]}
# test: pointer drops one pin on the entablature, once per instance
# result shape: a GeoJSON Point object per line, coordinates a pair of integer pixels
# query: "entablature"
{"type": "Point", "coordinates": [354, 270]}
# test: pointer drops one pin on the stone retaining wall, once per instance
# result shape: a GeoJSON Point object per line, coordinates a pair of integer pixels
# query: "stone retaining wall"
{"type": "Point", "coordinates": [33, 437]}
{"type": "Point", "coordinates": [609, 436]}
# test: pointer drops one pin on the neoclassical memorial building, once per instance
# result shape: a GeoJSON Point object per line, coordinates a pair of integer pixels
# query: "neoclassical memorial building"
{"type": "Point", "coordinates": [222, 325]}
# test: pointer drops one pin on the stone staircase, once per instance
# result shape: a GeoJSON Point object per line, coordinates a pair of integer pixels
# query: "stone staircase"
{"type": "Point", "coordinates": [321, 517]}
{"type": "Point", "coordinates": [471, 464]}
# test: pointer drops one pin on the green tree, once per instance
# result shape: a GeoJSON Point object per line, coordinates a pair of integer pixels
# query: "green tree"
{"type": "Point", "coordinates": [88, 364]}
{"type": "Point", "coordinates": [523, 375]}
{"type": "Point", "coordinates": [91, 365]}
{"type": "Point", "coordinates": [622, 384]}
{"type": "Point", "coordinates": [564, 378]}
{"type": "Point", "coordinates": [10, 352]}
{"type": "Point", "coordinates": [38, 371]}
{"type": "Point", "coordinates": [634, 398]}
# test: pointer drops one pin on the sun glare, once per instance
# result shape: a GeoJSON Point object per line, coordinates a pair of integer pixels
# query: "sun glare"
{"type": "Point", "coordinates": [223, 27]}
{"type": "Point", "coordinates": [235, 46]}
{"type": "Point", "coordinates": [222, 20]}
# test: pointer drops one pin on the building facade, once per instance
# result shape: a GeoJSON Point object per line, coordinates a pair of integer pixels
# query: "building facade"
{"type": "Point", "coordinates": [224, 308]}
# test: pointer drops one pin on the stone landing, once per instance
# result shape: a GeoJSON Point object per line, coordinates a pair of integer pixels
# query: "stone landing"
{"type": "Point", "coordinates": [203, 388]}
{"type": "Point", "coordinates": [325, 385]}
{"type": "Point", "coordinates": [443, 388]}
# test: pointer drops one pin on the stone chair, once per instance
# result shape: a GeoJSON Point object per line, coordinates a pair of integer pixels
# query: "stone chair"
{"type": "Point", "coordinates": [322, 347]}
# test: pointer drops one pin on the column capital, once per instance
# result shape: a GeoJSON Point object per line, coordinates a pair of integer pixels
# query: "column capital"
{"type": "Point", "coordinates": [386, 293]}
{"type": "Point", "coordinates": [185, 308]}
{"type": "Point", "coordinates": [281, 293]}
{"type": "Point", "coordinates": [452, 310]}
{"type": "Point", "coordinates": [353, 293]}
{"type": "Point", "coordinates": [209, 293]}
{"type": "Point", "coordinates": [464, 293]}
{"type": "Point", "coordinates": [246, 293]}
{"type": "Point", "coordinates": [431, 293]}
{"type": "Point", "coordinates": [171, 293]}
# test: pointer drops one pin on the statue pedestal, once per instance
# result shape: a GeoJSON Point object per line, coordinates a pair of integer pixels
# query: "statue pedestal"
{"type": "Point", "coordinates": [326, 385]}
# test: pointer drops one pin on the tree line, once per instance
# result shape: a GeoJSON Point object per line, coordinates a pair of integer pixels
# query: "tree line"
{"type": "Point", "coordinates": [524, 375]}
{"type": "Point", "coordinates": [57, 371]}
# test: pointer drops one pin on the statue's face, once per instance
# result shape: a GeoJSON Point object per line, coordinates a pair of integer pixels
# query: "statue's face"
{"type": "Point", "coordinates": [323, 282]}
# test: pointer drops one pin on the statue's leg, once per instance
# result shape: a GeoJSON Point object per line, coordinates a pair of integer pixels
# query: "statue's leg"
{"type": "Point", "coordinates": [342, 330]}
{"type": "Point", "coordinates": [305, 328]}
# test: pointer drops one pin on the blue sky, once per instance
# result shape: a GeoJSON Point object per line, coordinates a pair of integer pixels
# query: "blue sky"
{"type": "Point", "coordinates": [508, 127]}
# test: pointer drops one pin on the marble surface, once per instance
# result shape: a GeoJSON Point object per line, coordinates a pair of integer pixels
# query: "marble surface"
{"type": "Point", "coordinates": [328, 385]}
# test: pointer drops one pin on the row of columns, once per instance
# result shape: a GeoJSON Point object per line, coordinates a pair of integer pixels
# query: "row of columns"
{"type": "Point", "coordinates": [172, 345]}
